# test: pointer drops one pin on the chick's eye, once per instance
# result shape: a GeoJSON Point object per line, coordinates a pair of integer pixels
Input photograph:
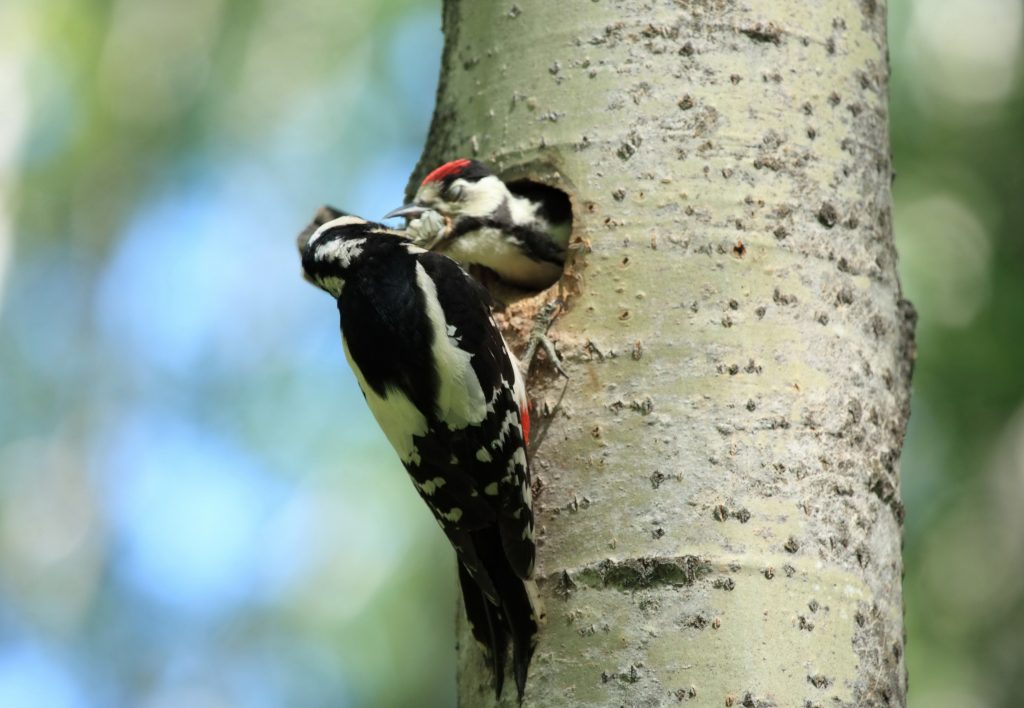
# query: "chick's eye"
{"type": "Point", "coordinates": [454, 192]}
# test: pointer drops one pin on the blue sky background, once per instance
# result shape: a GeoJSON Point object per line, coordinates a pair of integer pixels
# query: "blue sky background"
{"type": "Point", "coordinates": [197, 508]}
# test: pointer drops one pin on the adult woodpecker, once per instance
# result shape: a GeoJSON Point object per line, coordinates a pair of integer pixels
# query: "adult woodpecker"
{"type": "Point", "coordinates": [439, 379]}
{"type": "Point", "coordinates": [520, 232]}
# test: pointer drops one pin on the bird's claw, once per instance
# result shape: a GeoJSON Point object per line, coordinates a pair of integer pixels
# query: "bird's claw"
{"type": "Point", "coordinates": [539, 337]}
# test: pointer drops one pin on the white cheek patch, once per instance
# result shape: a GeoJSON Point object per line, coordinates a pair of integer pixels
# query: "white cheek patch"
{"type": "Point", "coordinates": [342, 251]}
{"type": "Point", "coordinates": [460, 398]}
{"type": "Point", "coordinates": [482, 197]}
{"type": "Point", "coordinates": [397, 416]}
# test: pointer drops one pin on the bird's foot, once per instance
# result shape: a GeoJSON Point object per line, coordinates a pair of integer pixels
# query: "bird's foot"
{"type": "Point", "coordinates": [539, 338]}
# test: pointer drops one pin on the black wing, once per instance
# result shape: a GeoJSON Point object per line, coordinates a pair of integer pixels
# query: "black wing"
{"type": "Point", "coordinates": [508, 467]}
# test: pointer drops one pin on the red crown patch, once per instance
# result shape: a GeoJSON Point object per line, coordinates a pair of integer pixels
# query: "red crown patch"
{"type": "Point", "coordinates": [449, 168]}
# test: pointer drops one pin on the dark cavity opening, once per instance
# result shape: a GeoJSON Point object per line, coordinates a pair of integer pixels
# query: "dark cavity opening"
{"type": "Point", "coordinates": [555, 209]}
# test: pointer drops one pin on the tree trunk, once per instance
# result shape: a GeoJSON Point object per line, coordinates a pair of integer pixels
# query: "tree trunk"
{"type": "Point", "coordinates": [718, 504]}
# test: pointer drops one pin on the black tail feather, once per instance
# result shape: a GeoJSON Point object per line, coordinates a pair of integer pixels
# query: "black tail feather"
{"type": "Point", "coordinates": [515, 618]}
{"type": "Point", "coordinates": [487, 626]}
{"type": "Point", "coordinates": [522, 624]}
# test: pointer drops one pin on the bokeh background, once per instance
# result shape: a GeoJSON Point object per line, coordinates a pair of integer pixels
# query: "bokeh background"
{"type": "Point", "coordinates": [196, 508]}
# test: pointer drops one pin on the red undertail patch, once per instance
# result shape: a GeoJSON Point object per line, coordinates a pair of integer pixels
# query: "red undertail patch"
{"type": "Point", "coordinates": [524, 421]}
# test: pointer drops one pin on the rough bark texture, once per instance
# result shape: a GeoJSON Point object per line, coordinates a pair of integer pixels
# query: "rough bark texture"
{"type": "Point", "coordinates": [718, 497]}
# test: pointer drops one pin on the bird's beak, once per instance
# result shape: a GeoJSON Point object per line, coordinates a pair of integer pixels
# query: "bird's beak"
{"type": "Point", "coordinates": [409, 211]}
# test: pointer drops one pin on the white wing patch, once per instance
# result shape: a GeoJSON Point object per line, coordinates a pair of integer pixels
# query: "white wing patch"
{"type": "Point", "coordinates": [519, 458]}
{"type": "Point", "coordinates": [397, 416]}
{"type": "Point", "coordinates": [460, 398]}
{"type": "Point", "coordinates": [518, 385]}
{"type": "Point", "coordinates": [432, 485]}
{"type": "Point", "coordinates": [511, 420]}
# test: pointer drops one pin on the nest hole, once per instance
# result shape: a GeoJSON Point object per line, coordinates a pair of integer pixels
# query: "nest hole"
{"type": "Point", "coordinates": [556, 209]}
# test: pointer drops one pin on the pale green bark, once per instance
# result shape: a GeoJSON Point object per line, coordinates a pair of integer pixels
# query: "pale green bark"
{"type": "Point", "coordinates": [718, 506]}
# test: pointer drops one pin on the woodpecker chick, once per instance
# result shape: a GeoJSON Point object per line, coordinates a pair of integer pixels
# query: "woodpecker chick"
{"type": "Point", "coordinates": [442, 384]}
{"type": "Point", "coordinates": [521, 234]}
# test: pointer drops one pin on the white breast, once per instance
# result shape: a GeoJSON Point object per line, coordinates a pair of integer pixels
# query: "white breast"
{"type": "Point", "coordinates": [487, 247]}
{"type": "Point", "coordinates": [397, 416]}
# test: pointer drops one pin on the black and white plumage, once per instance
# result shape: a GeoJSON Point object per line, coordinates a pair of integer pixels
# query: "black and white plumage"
{"type": "Point", "coordinates": [518, 230]}
{"type": "Point", "coordinates": [439, 379]}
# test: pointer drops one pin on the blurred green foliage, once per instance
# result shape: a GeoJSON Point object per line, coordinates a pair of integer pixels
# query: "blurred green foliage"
{"type": "Point", "coordinates": [196, 509]}
{"type": "Point", "coordinates": [957, 109]}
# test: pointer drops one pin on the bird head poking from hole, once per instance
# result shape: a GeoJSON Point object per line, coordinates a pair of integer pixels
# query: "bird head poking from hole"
{"type": "Point", "coordinates": [518, 230]}
{"type": "Point", "coordinates": [458, 188]}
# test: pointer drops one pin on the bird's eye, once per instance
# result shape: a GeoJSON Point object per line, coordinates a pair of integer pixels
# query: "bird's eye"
{"type": "Point", "coordinates": [454, 193]}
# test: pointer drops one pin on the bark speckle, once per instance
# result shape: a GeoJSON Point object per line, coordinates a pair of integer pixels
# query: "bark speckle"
{"type": "Point", "coordinates": [780, 298]}
{"type": "Point", "coordinates": [769, 33]}
{"type": "Point", "coordinates": [827, 215]}
{"type": "Point", "coordinates": [727, 584]}
{"type": "Point", "coordinates": [819, 681]}
{"type": "Point", "coordinates": [685, 694]}
{"type": "Point", "coordinates": [636, 573]}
